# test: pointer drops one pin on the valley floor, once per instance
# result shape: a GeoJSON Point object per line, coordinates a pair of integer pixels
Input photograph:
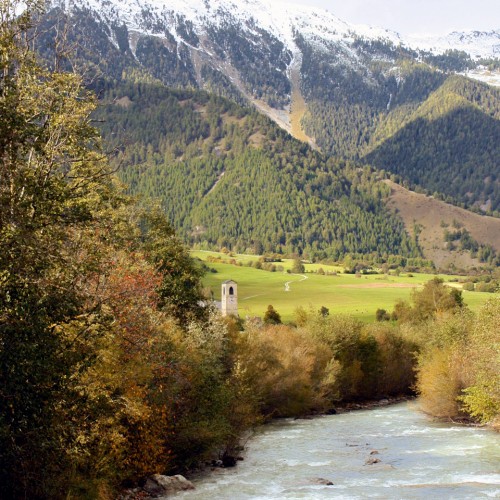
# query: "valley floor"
{"type": "Point", "coordinates": [340, 293]}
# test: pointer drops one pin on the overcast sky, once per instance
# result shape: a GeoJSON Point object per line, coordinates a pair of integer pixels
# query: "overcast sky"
{"type": "Point", "coordinates": [416, 16]}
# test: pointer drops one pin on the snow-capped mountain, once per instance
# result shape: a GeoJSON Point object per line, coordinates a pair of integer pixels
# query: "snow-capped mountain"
{"type": "Point", "coordinates": [282, 19]}
{"type": "Point", "coordinates": [340, 86]}
{"type": "Point", "coordinates": [478, 44]}
{"type": "Point", "coordinates": [262, 51]}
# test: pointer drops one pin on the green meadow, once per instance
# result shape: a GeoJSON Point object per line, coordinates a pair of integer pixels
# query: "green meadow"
{"type": "Point", "coordinates": [358, 296]}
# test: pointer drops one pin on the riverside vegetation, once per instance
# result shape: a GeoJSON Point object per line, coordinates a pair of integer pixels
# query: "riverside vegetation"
{"type": "Point", "coordinates": [111, 369]}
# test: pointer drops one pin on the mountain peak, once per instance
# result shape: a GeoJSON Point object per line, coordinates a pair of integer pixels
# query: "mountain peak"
{"type": "Point", "coordinates": [282, 19]}
{"type": "Point", "coordinates": [478, 44]}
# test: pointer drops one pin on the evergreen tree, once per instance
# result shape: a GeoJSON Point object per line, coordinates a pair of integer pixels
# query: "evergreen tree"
{"type": "Point", "coordinates": [298, 267]}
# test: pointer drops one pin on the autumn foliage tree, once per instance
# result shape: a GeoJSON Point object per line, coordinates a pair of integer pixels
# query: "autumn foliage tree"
{"type": "Point", "coordinates": [435, 299]}
{"type": "Point", "coordinates": [271, 316]}
{"type": "Point", "coordinates": [110, 368]}
{"type": "Point", "coordinates": [55, 196]}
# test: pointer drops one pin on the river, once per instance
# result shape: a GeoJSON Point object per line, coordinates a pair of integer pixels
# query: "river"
{"type": "Point", "coordinates": [417, 459]}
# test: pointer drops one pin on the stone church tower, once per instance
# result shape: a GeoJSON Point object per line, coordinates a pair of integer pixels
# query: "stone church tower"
{"type": "Point", "coordinates": [229, 298]}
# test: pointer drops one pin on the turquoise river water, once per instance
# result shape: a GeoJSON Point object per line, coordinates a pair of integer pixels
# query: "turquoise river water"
{"type": "Point", "coordinates": [418, 459]}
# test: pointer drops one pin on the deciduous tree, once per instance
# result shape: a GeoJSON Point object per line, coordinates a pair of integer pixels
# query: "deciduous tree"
{"type": "Point", "coordinates": [55, 193]}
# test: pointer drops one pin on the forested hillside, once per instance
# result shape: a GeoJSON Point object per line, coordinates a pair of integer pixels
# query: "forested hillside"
{"type": "Point", "coordinates": [367, 99]}
{"type": "Point", "coordinates": [451, 143]}
{"type": "Point", "coordinates": [437, 132]}
{"type": "Point", "coordinates": [227, 176]}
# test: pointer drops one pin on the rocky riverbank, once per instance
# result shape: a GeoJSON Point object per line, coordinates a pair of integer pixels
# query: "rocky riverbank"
{"type": "Point", "coordinates": [370, 404]}
{"type": "Point", "coordinates": [390, 451]}
{"type": "Point", "coordinates": [157, 486]}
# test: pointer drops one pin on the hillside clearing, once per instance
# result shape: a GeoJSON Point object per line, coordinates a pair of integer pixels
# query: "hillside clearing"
{"type": "Point", "coordinates": [433, 216]}
{"type": "Point", "coordinates": [298, 106]}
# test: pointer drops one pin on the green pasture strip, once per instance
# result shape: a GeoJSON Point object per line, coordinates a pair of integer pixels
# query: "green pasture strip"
{"type": "Point", "coordinates": [312, 268]}
{"type": "Point", "coordinates": [475, 300]}
{"type": "Point", "coordinates": [204, 254]}
{"type": "Point", "coordinates": [341, 294]}
{"type": "Point", "coordinates": [246, 258]}
{"type": "Point", "coordinates": [257, 289]}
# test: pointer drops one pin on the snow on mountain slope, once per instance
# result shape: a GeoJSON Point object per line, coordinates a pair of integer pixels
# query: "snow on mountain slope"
{"type": "Point", "coordinates": [355, 92]}
{"type": "Point", "coordinates": [282, 19]}
{"type": "Point", "coordinates": [476, 43]}
{"type": "Point", "coordinates": [485, 75]}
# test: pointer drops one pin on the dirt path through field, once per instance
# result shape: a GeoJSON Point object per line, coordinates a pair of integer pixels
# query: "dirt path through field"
{"type": "Point", "coordinates": [252, 296]}
{"type": "Point", "coordinates": [287, 284]}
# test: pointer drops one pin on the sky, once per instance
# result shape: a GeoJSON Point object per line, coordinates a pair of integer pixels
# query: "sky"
{"type": "Point", "coordinates": [416, 16]}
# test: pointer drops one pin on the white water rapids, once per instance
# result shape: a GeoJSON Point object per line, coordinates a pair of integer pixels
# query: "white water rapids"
{"type": "Point", "coordinates": [418, 459]}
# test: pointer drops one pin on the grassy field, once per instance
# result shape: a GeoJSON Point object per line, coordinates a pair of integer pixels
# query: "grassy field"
{"type": "Point", "coordinates": [340, 293]}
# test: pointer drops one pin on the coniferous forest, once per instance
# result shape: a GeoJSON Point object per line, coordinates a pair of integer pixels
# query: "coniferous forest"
{"type": "Point", "coordinates": [434, 130]}
{"type": "Point", "coordinates": [112, 366]}
{"type": "Point", "coordinates": [227, 176]}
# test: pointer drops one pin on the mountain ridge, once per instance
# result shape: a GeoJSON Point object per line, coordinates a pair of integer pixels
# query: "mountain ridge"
{"type": "Point", "coordinates": [280, 18]}
{"type": "Point", "coordinates": [228, 176]}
